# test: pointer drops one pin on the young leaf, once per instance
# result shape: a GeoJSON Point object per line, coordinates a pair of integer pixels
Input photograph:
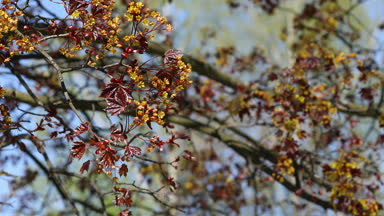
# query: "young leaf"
{"type": "Point", "coordinates": [123, 170]}
{"type": "Point", "coordinates": [84, 127]}
{"type": "Point", "coordinates": [108, 158]}
{"type": "Point", "coordinates": [115, 107]}
{"type": "Point", "coordinates": [117, 91]}
{"type": "Point", "coordinates": [125, 212]}
{"type": "Point", "coordinates": [78, 149]}
{"type": "Point", "coordinates": [131, 151]}
{"type": "Point", "coordinates": [85, 166]}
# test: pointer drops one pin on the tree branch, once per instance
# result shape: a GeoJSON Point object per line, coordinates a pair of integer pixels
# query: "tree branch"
{"type": "Point", "coordinates": [56, 181]}
{"type": "Point", "coordinates": [200, 67]}
{"type": "Point", "coordinates": [255, 152]}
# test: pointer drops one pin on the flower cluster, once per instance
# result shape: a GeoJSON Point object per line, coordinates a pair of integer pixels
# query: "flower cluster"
{"type": "Point", "coordinates": [344, 173]}
{"type": "Point", "coordinates": [93, 24]}
{"type": "Point", "coordinates": [138, 13]}
{"type": "Point", "coordinates": [5, 118]}
{"type": "Point", "coordinates": [147, 114]}
{"type": "Point", "coordinates": [173, 79]}
{"type": "Point", "coordinates": [12, 42]}
{"type": "Point", "coordinates": [135, 75]}
{"type": "Point", "coordinates": [300, 99]}
{"type": "Point", "coordinates": [99, 26]}
{"type": "Point", "coordinates": [285, 165]}
{"type": "Point", "coordinates": [147, 91]}
{"type": "Point", "coordinates": [321, 111]}
{"type": "Point", "coordinates": [325, 19]}
{"type": "Point", "coordinates": [156, 142]}
{"type": "Point", "coordinates": [147, 88]}
{"type": "Point", "coordinates": [8, 22]}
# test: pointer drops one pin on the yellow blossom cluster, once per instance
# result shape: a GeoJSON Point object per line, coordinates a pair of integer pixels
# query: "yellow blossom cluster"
{"type": "Point", "coordinates": [321, 111]}
{"type": "Point", "coordinates": [238, 104]}
{"type": "Point", "coordinates": [134, 11]}
{"type": "Point", "coordinates": [8, 22]}
{"type": "Point", "coordinates": [344, 189]}
{"type": "Point", "coordinates": [5, 122]}
{"type": "Point", "coordinates": [371, 207]}
{"type": "Point", "coordinates": [282, 88]}
{"type": "Point", "coordinates": [2, 92]}
{"type": "Point", "coordinates": [137, 12]}
{"type": "Point", "coordinates": [176, 77]}
{"type": "Point", "coordinates": [325, 19]}
{"type": "Point", "coordinates": [151, 19]}
{"type": "Point", "coordinates": [291, 125]}
{"type": "Point", "coordinates": [24, 46]}
{"type": "Point", "coordinates": [299, 97]}
{"type": "Point", "coordinates": [278, 177]}
{"type": "Point", "coordinates": [285, 165]}
{"type": "Point", "coordinates": [344, 174]}
{"type": "Point", "coordinates": [381, 120]}
{"type": "Point", "coordinates": [184, 69]}
{"type": "Point", "coordinates": [100, 26]}
{"type": "Point", "coordinates": [160, 83]}
{"type": "Point", "coordinates": [345, 166]}
{"type": "Point", "coordinates": [280, 117]}
{"type": "Point", "coordinates": [284, 121]}
{"type": "Point", "coordinates": [14, 42]}
{"type": "Point", "coordinates": [145, 113]}
{"type": "Point", "coordinates": [5, 118]}
{"type": "Point", "coordinates": [135, 75]}
{"type": "Point", "coordinates": [264, 95]}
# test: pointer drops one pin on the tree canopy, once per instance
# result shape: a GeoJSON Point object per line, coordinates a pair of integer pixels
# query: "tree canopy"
{"type": "Point", "coordinates": [191, 107]}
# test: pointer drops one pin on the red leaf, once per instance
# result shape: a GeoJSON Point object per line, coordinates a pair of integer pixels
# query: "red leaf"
{"type": "Point", "coordinates": [114, 107]}
{"type": "Point", "coordinates": [272, 77]}
{"type": "Point", "coordinates": [143, 41]}
{"type": "Point", "coordinates": [101, 145]}
{"type": "Point", "coordinates": [367, 93]}
{"type": "Point", "coordinates": [78, 149]}
{"type": "Point", "coordinates": [123, 170]}
{"type": "Point", "coordinates": [128, 200]}
{"type": "Point", "coordinates": [53, 134]}
{"type": "Point", "coordinates": [171, 182]}
{"type": "Point", "coordinates": [108, 158]}
{"type": "Point", "coordinates": [131, 151]}
{"type": "Point", "coordinates": [84, 127]}
{"type": "Point", "coordinates": [172, 140]}
{"type": "Point", "coordinates": [118, 135]}
{"type": "Point", "coordinates": [75, 5]}
{"type": "Point", "coordinates": [127, 52]}
{"type": "Point", "coordinates": [85, 166]}
{"type": "Point", "coordinates": [40, 126]}
{"type": "Point", "coordinates": [124, 191]}
{"type": "Point", "coordinates": [117, 91]}
{"type": "Point", "coordinates": [125, 212]}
